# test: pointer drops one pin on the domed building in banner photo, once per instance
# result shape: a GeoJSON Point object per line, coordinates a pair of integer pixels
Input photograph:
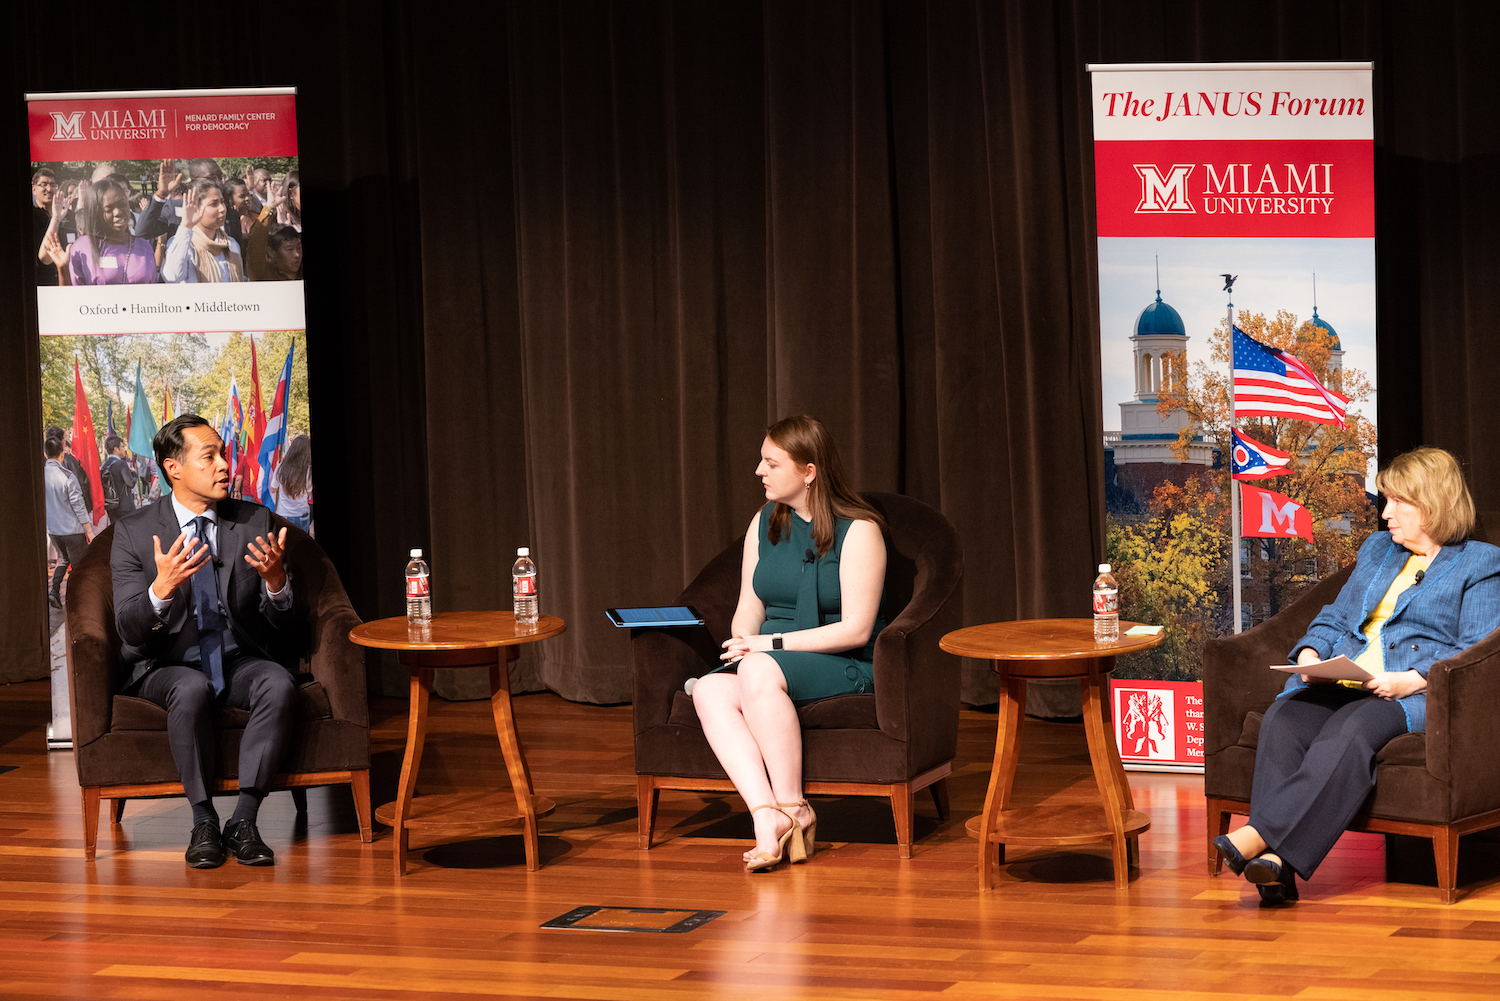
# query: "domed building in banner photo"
{"type": "Point", "coordinates": [1139, 457]}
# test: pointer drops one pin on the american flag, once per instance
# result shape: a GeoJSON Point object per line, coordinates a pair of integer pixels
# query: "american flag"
{"type": "Point", "coordinates": [1269, 382]}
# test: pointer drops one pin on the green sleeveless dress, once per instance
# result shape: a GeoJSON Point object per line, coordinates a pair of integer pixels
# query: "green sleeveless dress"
{"type": "Point", "coordinates": [802, 593]}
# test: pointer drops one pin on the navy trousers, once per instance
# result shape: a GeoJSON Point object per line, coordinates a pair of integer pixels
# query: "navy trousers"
{"type": "Point", "coordinates": [1315, 767]}
{"type": "Point", "coordinates": [263, 687]}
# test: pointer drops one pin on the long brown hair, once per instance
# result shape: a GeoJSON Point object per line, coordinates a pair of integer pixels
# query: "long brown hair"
{"type": "Point", "coordinates": [829, 497]}
{"type": "Point", "coordinates": [294, 466]}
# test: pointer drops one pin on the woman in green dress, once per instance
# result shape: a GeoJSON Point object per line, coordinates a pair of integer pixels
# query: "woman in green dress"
{"type": "Point", "coordinates": [804, 629]}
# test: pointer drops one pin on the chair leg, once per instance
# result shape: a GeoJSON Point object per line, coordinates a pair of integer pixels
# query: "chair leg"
{"type": "Point", "coordinates": [90, 822]}
{"type": "Point", "coordinates": [359, 785]}
{"type": "Point", "coordinates": [119, 811]}
{"type": "Point", "coordinates": [1218, 824]}
{"type": "Point", "coordinates": [299, 799]}
{"type": "Point", "coordinates": [647, 796]}
{"type": "Point", "coordinates": [1445, 854]}
{"type": "Point", "coordinates": [940, 797]}
{"type": "Point", "coordinates": [901, 810]}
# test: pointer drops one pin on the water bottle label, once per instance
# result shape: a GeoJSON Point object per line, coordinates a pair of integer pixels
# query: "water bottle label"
{"type": "Point", "coordinates": [1107, 602]}
{"type": "Point", "coordinates": [416, 587]}
{"type": "Point", "coordinates": [525, 585]}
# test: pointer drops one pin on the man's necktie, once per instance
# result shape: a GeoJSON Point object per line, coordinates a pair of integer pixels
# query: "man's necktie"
{"type": "Point", "coordinates": [206, 609]}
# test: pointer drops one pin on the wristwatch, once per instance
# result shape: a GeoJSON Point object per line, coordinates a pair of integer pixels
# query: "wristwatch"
{"type": "Point", "coordinates": [775, 641]}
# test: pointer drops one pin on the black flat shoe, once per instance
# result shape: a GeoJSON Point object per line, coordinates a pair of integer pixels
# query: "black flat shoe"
{"type": "Point", "coordinates": [243, 841]}
{"type": "Point", "coordinates": [1230, 854]}
{"type": "Point", "coordinates": [1277, 882]}
{"type": "Point", "coordinates": [205, 850]}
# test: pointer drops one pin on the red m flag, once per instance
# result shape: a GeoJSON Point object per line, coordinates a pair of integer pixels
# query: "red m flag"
{"type": "Point", "coordinates": [1269, 515]}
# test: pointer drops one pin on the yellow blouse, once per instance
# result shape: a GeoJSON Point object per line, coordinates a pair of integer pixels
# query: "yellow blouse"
{"type": "Point", "coordinates": [1372, 658]}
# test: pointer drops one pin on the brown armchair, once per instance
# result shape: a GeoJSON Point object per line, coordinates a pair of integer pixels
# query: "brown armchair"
{"type": "Point", "coordinates": [120, 742]}
{"type": "Point", "coordinates": [1438, 785]}
{"type": "Point", "coordinates": [892, 743]}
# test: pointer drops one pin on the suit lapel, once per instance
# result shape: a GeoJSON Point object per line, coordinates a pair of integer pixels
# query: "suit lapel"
{"type": "Point", "coordinates": [231, 545]}
{"type": "Point", "coordinates": [1440, 566]}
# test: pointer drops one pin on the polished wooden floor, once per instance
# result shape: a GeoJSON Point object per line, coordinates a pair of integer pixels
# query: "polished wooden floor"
{"type": "Point", "coordinates": [330, 921]}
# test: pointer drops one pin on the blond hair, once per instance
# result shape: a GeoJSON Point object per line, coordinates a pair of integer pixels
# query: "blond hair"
{"type": "Point", "coordinates": [1431, 479]}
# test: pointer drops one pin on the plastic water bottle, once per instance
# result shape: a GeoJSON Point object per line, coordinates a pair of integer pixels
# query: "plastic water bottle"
{"type": "Point", "coordinates": [418, 589]}
{"type": "Point", "coordinates": [523, 588]}
{"type": "Point", "coordinates": [1106, 606]}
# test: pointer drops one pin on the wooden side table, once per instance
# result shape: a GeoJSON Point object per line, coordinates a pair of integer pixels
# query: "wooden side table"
{"type": "Point", "coordinates": [458, 640]}
{"type": "Point", "coordinates": [1053, 649]}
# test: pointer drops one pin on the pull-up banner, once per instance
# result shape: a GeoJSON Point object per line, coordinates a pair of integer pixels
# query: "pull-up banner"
{"type": "Point", "coordinates": [1243, 190]}
{"type": "Point", "coordinates": [167, 233]}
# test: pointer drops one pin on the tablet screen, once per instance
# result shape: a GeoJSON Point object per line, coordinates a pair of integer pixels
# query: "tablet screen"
{"type": "Point", "coordinates": [665, 615]}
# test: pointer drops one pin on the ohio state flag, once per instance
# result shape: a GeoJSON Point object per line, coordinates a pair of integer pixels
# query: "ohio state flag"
{"type": "Point", "coordinates": [1269, 515]}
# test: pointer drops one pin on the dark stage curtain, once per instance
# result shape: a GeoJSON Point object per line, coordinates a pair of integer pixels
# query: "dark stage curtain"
{"type": "Point", "coordinates": [569, 259]}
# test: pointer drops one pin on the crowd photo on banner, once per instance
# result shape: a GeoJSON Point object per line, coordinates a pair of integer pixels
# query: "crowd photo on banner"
{"type": "Point", "coordinates": [137, 222]}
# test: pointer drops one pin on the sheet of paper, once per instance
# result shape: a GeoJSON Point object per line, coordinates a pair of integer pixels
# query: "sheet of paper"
{"type": "Point", "coordinates": [1143, 630]}
{"type": "Point", "coordinates": [1339, 669]}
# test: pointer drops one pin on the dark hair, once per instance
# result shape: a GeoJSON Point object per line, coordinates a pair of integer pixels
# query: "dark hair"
{"type": "Point", "coordinates": [91, 215]}
{"type": "Point", "coordinates": [52, 447]}
{"type": "Point", "coordinates": [292, 182]}
{"type": "Point", "coordinates": [234, 182]}
{"type": "Point", "coordinates": [170, 441]}
{"type": "Point", "coordinates": [55, 432]}
{"type": "Point", "coordinates": [203, 167]}
{"type": "Point", "coordinates": [280, 236]}
{"type": "Point", "coordinates": [41, 173]}
{"type": "Point", "coordinates": [295, 465]}
{"type": "Point", "coordinates": [830, 497]}
{"type": "Point", "coordinates": [113, 442]}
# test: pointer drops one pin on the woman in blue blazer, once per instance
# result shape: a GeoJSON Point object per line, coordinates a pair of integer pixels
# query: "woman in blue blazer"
{"type": "Point", "coordinates": [1420, 592]}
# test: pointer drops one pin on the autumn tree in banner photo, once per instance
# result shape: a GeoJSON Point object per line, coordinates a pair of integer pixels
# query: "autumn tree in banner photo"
{"type": "Point", "coordinates": [1329, 462]}
{"type": "Point", "coordinates": [1172, 566]}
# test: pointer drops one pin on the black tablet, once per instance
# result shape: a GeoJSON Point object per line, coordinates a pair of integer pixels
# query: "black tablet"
{"type": "Point", "coordinates": [660, 616]}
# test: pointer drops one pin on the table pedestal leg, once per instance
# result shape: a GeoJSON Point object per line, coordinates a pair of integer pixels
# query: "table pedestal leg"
{"type": "Point", "coordinates": [515, 760]}
{"type": "Point", "coordinates": [1109, 773]}
{"type": "Point", "coordinates": [416, 737]}
{"type": "Point", "coordinates": [1003, 771]}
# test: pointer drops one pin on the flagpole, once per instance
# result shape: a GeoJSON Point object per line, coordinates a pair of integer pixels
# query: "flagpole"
{"type": "Point", "coordinates": [1234, 487]}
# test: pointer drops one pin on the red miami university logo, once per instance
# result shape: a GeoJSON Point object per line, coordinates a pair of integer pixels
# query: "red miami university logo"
{"type": "Point", "coordinates": [1165, 194]}
{"type": "Point", "coordinates": [67, 126]}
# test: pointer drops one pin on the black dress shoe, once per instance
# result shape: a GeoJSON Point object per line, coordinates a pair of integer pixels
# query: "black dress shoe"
{"type": "Point", "coordinates": [54, 600]}
{"type": "Point", "coordinates": [1230, 854]}
{"type": "Point", "coordinates": [1276, 881]}
{"type": "Point", "coordinates": [205, 850]}
{"type": "Point", "coordinates": [243, 841]}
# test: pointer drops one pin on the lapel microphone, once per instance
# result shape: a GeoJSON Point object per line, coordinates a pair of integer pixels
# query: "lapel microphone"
{"type": "Point", "coordinates": [809, 557]}
{"type": "Point", "coordinates": [1420, 575]}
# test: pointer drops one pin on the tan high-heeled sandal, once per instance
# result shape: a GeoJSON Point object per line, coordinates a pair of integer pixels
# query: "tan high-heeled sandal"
{"type": "Point", "coordinates": [761, 861]}
{"type": "Point", "coordinates": [805, 846]}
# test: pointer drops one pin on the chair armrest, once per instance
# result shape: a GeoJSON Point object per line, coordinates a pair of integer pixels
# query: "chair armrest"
{"type": "Point", "coordinates": [1462, 726]}
{"type": "Point", "coordinates": [916, 683]}
{"type": "Point", "coordinates": [1237, 679]}
{"type": "Point", "coordinates": [340, 666]}
{"type": "Point", "coordinates": [663, 659]}
{"type": "Point", "coordinates": [333, 659]}
{"type": "Point", "coordinates": [93, 644]}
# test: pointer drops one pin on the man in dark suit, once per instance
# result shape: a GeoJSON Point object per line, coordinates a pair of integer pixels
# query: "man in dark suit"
{"type": "Point", "coordinates": [206, 621]}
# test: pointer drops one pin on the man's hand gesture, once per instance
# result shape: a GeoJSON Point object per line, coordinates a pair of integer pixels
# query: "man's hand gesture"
{"type": "Point", "coordinates": [266, 559]}
{"type": "Point", "coordinates": [175, 566]}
